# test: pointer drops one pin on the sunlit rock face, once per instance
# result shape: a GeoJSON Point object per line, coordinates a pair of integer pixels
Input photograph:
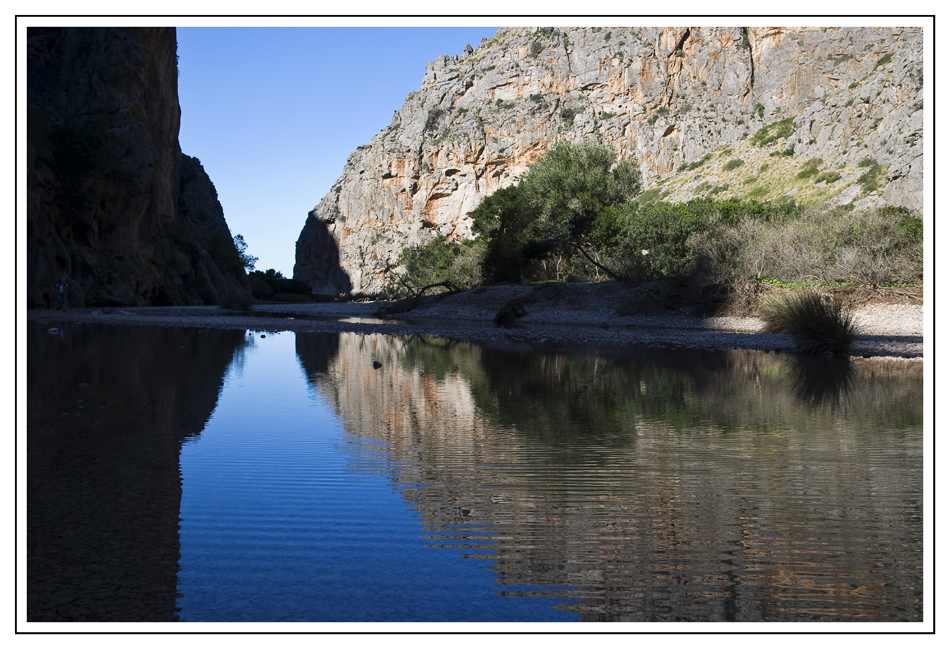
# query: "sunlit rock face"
{"type": "Point", "coordinates": [112, 204]}
{"type": "Point", "coordinates": [664, 96]}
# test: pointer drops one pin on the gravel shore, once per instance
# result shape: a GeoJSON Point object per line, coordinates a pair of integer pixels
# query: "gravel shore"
{"type": "Point", "coordinates": [589, 313]}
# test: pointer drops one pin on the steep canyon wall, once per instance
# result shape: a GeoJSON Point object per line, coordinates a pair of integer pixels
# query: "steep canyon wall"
{"type": "Point", "coordinates": [664, 96]}
{"type": "Point", "coordinates": [112, 203]}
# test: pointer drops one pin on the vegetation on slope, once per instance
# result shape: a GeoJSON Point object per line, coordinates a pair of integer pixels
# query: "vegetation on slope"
{"type": "Point", "coordinates": [577, 215]}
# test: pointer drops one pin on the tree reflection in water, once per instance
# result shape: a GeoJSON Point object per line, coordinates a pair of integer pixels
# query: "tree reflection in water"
{"type": "Point", "coordinates": [657, 484]}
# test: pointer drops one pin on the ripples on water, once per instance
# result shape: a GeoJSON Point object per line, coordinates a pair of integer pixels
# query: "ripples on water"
{"type": "Point", "coordinates": [460, 482]}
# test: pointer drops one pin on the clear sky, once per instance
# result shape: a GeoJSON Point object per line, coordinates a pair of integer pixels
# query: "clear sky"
{"type": "Point", "coordinates": [273, 113]}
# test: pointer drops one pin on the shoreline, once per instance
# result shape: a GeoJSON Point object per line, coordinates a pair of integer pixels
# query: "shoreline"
{"type": "Point", "coordinates": [888, 330]}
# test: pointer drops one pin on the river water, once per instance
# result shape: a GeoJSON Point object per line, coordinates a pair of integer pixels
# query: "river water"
{"type": "Point", "coordinates": [201, 475]}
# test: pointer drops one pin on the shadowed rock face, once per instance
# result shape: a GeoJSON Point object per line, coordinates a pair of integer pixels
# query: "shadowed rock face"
{"type": "Point", "coordinates": [318, 257]}
{"type": "Point", "coordinates": [113, 204]}
{"type": "Point", "coordinates": [664, 96]}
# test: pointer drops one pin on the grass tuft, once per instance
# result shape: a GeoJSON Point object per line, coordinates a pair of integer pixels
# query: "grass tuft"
{"type": "Point", "coordinates": [820, 324]}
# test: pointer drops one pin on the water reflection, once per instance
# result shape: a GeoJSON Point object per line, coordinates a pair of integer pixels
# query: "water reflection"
{"type": "Point", "coordinates": [107, 410]}
{"type": "Point", "coordinates": [658, 485]}
{"type": "Point", "coordinates": [822, 380]}
{"type": "Point", "coordinates": [616, 484]}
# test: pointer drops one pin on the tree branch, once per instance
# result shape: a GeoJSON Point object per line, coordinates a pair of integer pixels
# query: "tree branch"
{"type": "Point", "coordinates": [599, 265]}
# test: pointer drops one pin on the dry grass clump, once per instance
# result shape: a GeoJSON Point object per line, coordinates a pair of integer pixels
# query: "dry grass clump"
{"type": "Point", "coordinates": [820, 324]}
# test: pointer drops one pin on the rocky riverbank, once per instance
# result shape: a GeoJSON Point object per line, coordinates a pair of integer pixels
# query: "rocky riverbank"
{"type": "Point", "coordinates": [891, 322]}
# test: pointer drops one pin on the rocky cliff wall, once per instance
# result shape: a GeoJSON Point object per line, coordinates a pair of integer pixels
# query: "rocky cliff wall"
{"type": "Point", "coordinates": [665, 96]}
{"type": "Point", "coordinates": [112, 203]}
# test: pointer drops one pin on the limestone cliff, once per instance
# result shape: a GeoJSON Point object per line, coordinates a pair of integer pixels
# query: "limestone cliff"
{"type": "Point", "coordinates": [112, 203]}
{"type": "Point", "coordinates": [664, 96]}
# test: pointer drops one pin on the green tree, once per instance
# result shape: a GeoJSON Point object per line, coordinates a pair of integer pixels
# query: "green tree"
{"type": "Point", "coordinates": [574, 191]}
{"type": "Point", "coordinates": [655, 239]}
{"type": "Point", "coordinates": [503, 222]}
{"type": "Point", "coordinates": [565, 216]}
{"type": "Point", "coordinates": [249, 261]}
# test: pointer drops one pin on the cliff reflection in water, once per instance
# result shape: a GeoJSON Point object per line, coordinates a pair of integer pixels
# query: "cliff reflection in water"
{"type": "Point", "coordinates": [653, 484]}
{"type": "Point", "coordinates": [107, 410]}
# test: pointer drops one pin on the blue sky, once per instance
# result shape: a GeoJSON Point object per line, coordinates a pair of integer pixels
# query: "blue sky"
{"type": "Point", "coordinates": [273, 113]}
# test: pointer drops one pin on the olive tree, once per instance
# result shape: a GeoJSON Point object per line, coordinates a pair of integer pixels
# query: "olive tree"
{"type": "Point", "coordinates": [575, 192]}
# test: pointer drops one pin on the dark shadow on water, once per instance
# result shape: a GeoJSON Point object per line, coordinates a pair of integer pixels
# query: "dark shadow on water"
{"type": "Point", "coordinates": [315, 351]}
{"type": "Point", "coordinates": [107, 411]}
{"type": "Point", "coordinates": [819, 381]}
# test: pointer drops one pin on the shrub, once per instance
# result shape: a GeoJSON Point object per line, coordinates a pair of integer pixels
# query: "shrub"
{"type": "Point", "coordinates": [458, 262]}
{"type": "Point", "coordinates": [786, 153]}
{"type": "Point", "coordinates": [829, 177]}
{"type": "Point", "coordinates": [745, 44]}
{"type": "Point", "coordinates": [273, 285]}
{"type": "Point", "coordinates": [568, 114]}
{"type": "Point", "coordinates": [877, 246]}
{"type": "Point", "coordinates": [870, 179]}
{"type": "Point", "coordinates": [432, 119]}
{"type": "Point", "coordinates": [810, 169]}
{"type": "Point", "coordinates": [884, 60]}
{"type": "Point", "coordinates": [820, 324]}
{"type": "Point", "coordinates": [773, 132]}
{"type": "Point", "coordinates": [662, 111]}
{"type": "Point", "coordinates": [735, 163]}
{"type": "Point", "coordinates": [655, 239]}
{"type": "Point", "coordinates": [689, 166]}
{"type": "Point", "coordinates": [748, 241]}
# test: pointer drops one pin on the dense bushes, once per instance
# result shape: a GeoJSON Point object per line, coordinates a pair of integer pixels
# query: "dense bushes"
{"type": "Point", "coordinates": [575, 216]}
{"type": "Point", "coordinates": [655, 240]}
{"type": "Point", "coordinates": [440, 261]}
{"type": "Point", "coordinates": [272, 285]}
{"type": "Point", "coordinates": [829, 246]}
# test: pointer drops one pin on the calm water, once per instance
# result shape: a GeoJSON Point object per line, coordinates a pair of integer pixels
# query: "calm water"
{"type": "Point", "coordinates": [205, 475]}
